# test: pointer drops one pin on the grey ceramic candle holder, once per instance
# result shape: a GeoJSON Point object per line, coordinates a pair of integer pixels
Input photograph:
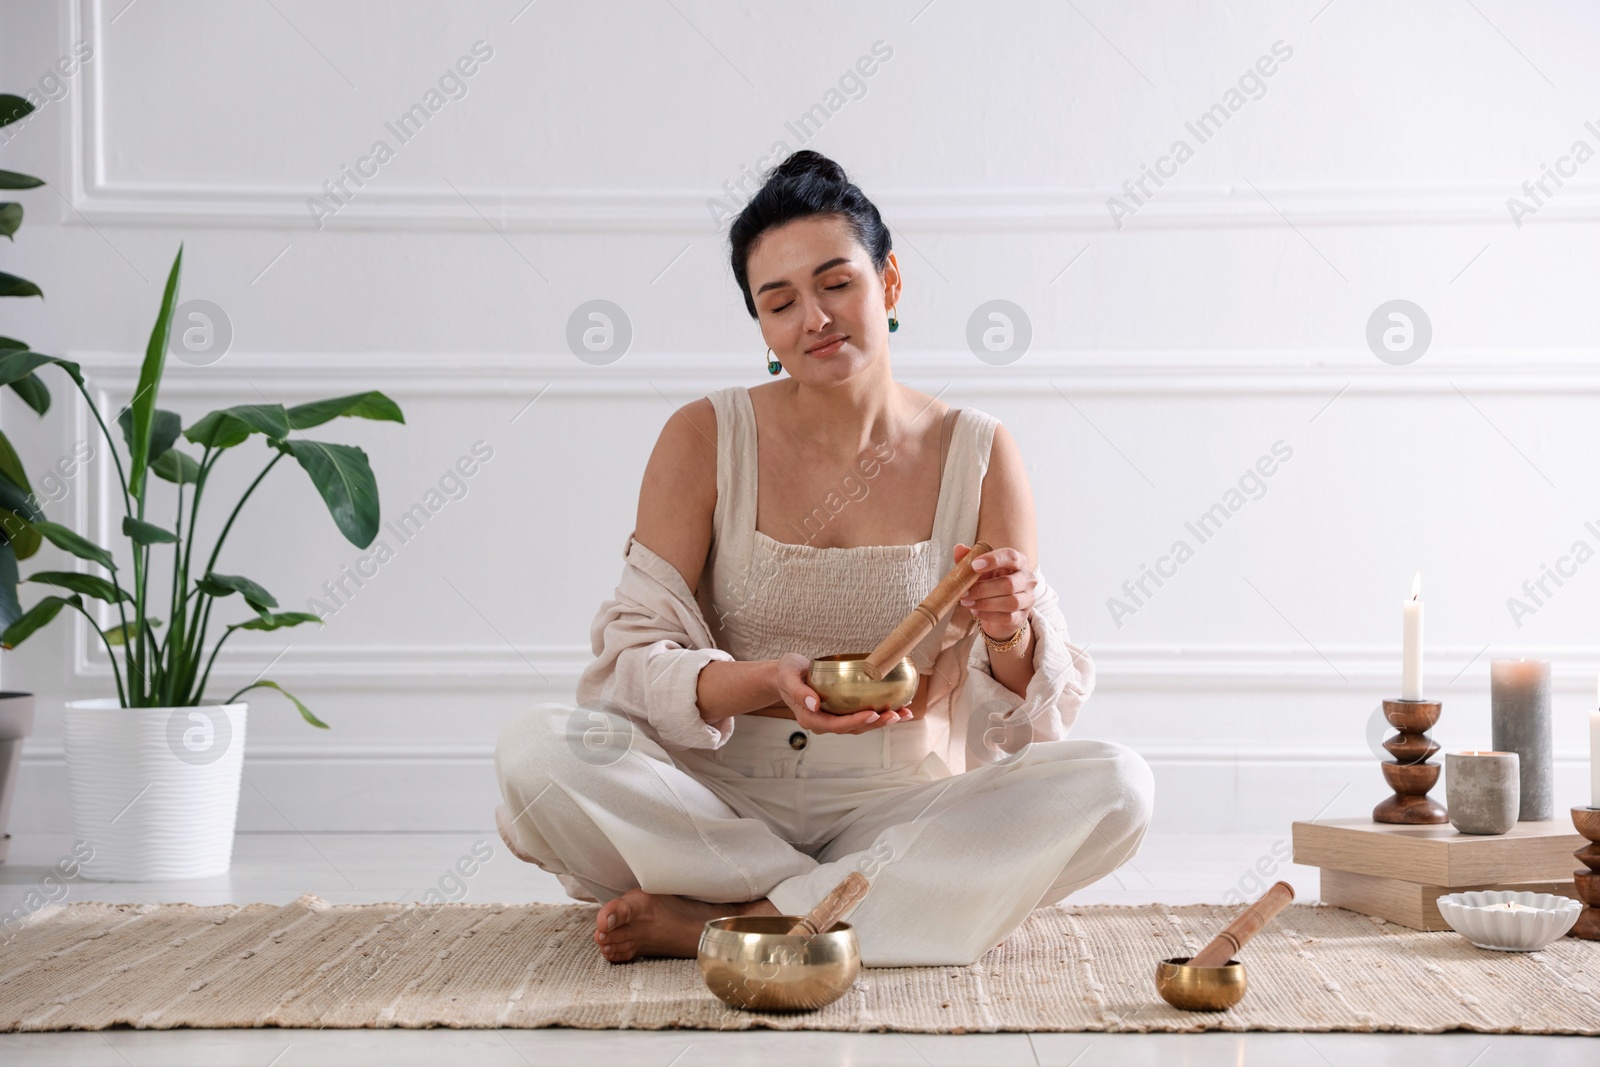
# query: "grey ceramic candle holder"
{"type": "Point", "coordinates": [1483, 790]}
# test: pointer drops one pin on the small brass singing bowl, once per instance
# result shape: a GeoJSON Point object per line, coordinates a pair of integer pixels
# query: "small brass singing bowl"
{"type": "Point", "coordinates": [842, 683]}
{"type": "Point", "coordinates": [752, 962]}
{"type": "Point", "coordinates": [1200, 988]}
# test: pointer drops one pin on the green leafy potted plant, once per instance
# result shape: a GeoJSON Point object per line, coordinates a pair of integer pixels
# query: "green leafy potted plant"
{"type": "Point", "coordinates": [16, 540]}
{"type": "Point", "coordinates": [155, 771]}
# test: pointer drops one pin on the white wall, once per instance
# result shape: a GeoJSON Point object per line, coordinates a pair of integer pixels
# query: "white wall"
{"type": "Point", "coordinates": [1227, 313]}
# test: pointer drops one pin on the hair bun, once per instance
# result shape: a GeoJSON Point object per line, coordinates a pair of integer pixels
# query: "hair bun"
{"type": "Point", "coordinates": [806, 162]}
{"type": "Point", "coordinates": [804, 185]}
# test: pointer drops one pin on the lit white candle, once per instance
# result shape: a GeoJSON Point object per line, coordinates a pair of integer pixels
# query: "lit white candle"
{"type": "Point", "coordinates": [1594, 753]}
{"type": "Point", "coordinates": [1411, 647]}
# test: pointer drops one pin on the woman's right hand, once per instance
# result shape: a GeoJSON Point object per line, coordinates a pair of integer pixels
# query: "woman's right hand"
{"type": "Point", "coordinates": [791, 670]}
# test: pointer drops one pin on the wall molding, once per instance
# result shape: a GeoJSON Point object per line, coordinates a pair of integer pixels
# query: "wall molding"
{"type": "Point", "coordinates": [97, 200]}
{"type": "Point", "coordinates": [321, 750]}
{"type": "Point", "coordinates": [303, 790]}
{"type": "Point", "coordinates": [647, 211]}
{"type": "Point", "coordinates": [554, 669]}
{"type": "Point", "coordinates": [1085, 372]}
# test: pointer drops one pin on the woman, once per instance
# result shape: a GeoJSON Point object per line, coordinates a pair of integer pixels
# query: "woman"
{"type": "Point", "coordinates": [697, 777]}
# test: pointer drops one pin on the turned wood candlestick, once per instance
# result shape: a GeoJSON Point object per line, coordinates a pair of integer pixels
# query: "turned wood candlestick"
{"type": "Point", "coordinates": [920, 620]}
{"type": "Point", "coordinates": [1410, 774]}
{"type": "Point", "coordinates": [1587, 820]}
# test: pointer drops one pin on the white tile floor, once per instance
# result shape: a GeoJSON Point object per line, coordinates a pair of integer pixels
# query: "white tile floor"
{"type": "Point", "coordinates": [368, 867]}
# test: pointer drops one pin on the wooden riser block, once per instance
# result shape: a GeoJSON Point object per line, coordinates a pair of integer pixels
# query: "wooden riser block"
{"type": "Point", "coordinates": [1409, 903]}
{"type": "Point", "coordinates": [1440, 855]}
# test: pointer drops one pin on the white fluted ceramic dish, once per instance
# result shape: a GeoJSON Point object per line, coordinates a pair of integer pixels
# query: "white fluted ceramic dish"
{"type": "Point", "coordinates": [1505, 930]}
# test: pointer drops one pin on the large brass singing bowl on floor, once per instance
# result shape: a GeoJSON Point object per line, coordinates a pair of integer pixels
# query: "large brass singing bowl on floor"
{"type": "Point", "coordinates": [1200, 988]}
{"type": "Point", "coordinates": [752, 962]}
{"type": "Point", "coordinates": [844, 687]}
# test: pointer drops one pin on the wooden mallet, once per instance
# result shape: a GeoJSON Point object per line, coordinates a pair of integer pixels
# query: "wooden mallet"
{"type": "Point", "coordinates": [1210, 980]}
{"type": "Point", "coordinates": [839, 902]}
{"type": "Point", "coordinates": [920, 621]}
{"type": "Point", "coordinates": [1227, 944]}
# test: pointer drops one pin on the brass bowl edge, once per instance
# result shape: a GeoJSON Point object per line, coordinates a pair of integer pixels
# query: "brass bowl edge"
{"type": "Point", "coordinates": [845, 688]}
{"type": "Point", "coordinates": [752, 963]}
{"type": "Point", "coordinates": [1200, 988]}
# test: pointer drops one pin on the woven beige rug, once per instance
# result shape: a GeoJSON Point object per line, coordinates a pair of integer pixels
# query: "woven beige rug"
{"type": "Point", "coordinates": [313, 964]}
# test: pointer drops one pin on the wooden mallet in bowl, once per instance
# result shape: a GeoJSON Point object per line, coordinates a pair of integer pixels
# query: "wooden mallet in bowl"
{"type": "Point", "coordinates": [885, 678]}
{"type": "Point", "coordinates": [919, 622]}
{"type": "Point", "coordinates": [1211, 979]}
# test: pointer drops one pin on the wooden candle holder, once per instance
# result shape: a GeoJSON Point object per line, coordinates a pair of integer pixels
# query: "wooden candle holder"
{"type": "Point", "coordinates": [1587, 820]}
{"type": "Point", "coordinates": [1410, 774]}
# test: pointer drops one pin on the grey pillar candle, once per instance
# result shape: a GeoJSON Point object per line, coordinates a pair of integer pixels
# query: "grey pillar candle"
{"type": "Point", "coordinates": [1519, 709]}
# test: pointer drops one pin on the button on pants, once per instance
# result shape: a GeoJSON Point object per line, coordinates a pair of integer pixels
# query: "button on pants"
{"type": "Point", "coordinates": [956, 862]}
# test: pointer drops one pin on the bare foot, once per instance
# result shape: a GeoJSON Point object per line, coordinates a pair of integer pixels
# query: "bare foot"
{"type": "Point", "coordinates": [649, 924]}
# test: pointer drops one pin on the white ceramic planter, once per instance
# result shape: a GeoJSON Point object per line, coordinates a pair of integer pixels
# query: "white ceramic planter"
{"type": "Point", "coordinates": [16, 723]}
{"type": "Point", "coordinates": [155, 791]}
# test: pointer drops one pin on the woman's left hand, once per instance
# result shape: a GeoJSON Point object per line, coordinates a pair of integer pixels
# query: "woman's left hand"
{"type": "Point", "coordinates": [1003, 594]}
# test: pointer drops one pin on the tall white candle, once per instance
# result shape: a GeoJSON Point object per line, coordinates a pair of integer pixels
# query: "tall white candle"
{"type": "Point", "coordinates": [1411, 646]}
{"type": "Point", "coordinates": [1594, 753]}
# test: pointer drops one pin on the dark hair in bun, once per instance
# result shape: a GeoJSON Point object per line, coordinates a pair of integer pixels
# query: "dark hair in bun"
{"type": "Point", "coordinates": [805, 184]}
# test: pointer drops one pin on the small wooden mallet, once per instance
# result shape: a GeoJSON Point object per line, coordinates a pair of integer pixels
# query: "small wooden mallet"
{"type": "Point", "coordinates": [839, 902]}
{"type": "Point", "coordinates": [921, 619]}
{"type": "Point", "coordinates": [1211, 980]}
{"type": "Point", "coordinates": [1225, 945]}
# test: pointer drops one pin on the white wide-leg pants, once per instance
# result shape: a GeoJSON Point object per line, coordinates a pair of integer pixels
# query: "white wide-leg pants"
{"type": "Point", "coordinates": [956, 862]}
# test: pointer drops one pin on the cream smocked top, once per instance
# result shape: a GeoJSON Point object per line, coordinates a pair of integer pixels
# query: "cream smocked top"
{"type": "Point", "coordinates": [767, 597]}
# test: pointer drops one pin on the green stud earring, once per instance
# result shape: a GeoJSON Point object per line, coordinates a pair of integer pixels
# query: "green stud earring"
{"type": "Point", "coordinates": [894, 323]}
{"type": "Point", "coordinates": [773, 366]}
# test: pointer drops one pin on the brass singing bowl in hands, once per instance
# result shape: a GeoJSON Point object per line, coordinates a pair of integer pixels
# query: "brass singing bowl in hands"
{"type": "Point", "coordinates": [754, 962]}
{"type": "Point", "coordinates": [885, 678]}
{"type": "Point", "coordinates": [1200, 988]}
{"type": "Point", "coordinates": [845, 687]}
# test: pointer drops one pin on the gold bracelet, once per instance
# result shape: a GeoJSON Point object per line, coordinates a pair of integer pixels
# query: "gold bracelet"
{"type": "Point", "coordinates": [1009, 643]}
